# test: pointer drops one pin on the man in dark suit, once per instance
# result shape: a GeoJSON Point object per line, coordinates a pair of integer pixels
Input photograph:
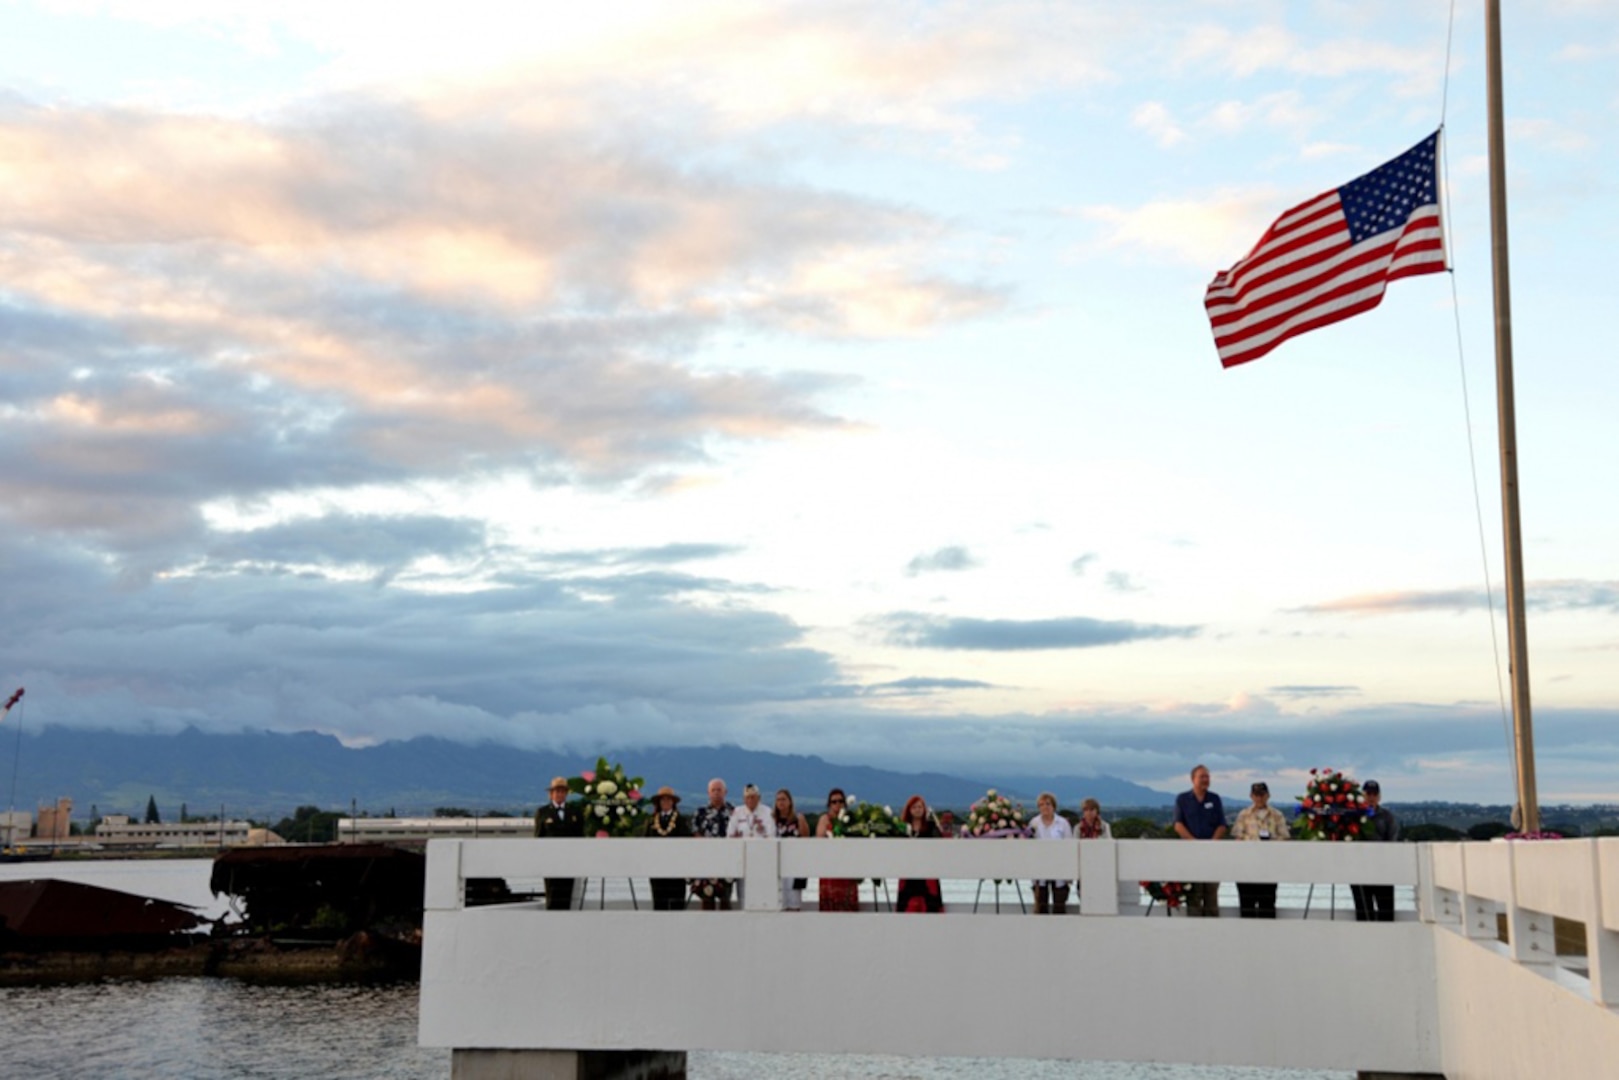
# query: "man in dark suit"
{"type": "Point", "coordinates": [559, 818]}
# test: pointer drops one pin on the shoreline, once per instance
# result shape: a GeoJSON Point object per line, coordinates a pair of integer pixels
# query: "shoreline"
{"type": "Point", "coordinates": [361, 957]}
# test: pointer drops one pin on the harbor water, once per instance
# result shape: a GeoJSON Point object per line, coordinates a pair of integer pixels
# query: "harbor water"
{"type": "Point", "coordinates": [207, 1028]}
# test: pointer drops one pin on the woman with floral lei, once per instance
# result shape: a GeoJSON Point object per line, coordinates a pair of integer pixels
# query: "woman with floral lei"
{"type": "Point", "coordinates": [919, 894]}
{"type": "Point", "coordinates": [837, 894]}
{"type": "Point", "coordinates": [668, 894]}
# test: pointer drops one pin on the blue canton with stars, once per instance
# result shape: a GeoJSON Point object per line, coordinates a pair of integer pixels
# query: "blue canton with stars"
{"type": "Point", "coordinates": [1384, 198]}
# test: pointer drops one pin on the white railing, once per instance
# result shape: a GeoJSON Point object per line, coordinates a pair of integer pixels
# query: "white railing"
{"type": "Point", "coordinates": [1531, 884]}
{"type": "Point", "coordinates": [1105, 870]}
{"type": "Point", "coordinates": [1432, 986]}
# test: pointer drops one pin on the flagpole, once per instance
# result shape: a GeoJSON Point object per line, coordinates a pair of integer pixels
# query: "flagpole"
{"type": "Point", "coordinates": [1518, 644]}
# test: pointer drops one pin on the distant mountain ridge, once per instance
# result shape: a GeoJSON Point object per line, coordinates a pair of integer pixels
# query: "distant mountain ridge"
{"type": "Point", "coordinates": [267, 775]}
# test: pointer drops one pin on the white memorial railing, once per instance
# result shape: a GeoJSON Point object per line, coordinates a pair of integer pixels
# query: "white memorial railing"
{"type": "Point", "coordinates": [1105, 870]}
{"type": "Point", "coordinates": [1433, 986]}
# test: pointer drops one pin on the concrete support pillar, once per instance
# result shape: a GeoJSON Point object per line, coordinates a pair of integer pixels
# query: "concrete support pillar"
{"type": "Point", "coordinates": [1099, 892]}
{"type": "Point", "coordinates": [568, 1065]}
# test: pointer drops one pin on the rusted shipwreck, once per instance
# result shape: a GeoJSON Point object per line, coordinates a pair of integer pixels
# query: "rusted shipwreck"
{"type": "Point", "coordinates": [323, 910]}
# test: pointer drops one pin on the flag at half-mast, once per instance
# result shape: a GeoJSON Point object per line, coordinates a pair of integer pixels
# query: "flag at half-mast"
{"type": "Point", "coordinates": [1331, 257]}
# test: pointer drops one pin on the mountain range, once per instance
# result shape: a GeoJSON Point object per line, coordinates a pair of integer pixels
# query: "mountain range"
{"type": "Point", "coordinates": [265, 775]}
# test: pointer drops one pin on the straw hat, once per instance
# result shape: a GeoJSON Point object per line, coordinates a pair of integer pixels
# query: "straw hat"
{"type": "Point", "coordinates": [665, 790]}
{"type": "Point", "coordinates": [558, 782]}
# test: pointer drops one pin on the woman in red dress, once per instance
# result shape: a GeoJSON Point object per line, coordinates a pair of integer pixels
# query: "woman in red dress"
{"type": "Point", "coordinates": [837, 894]}
{"type": "Point", "coordinates": [919, 894]}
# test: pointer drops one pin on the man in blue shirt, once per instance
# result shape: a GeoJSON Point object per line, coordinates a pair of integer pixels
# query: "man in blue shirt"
{"type": "Point", "coordinates": [1200, 815]}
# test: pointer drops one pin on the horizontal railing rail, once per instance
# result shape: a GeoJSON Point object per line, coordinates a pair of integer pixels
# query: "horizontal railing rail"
{"type": "Point", "coordinates": [1100, 867]}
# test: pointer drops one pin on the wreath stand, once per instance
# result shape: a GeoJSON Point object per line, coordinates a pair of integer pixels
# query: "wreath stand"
{"type": "Point", "coordinates": [601, 887]}
{"type": "Point", "coordinates": [1016, 884]}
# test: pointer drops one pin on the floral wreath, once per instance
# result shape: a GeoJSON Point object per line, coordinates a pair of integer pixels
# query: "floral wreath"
{"type": "Point", "coordinates": [1171, 894]}
{"type": "Point", "coordinates": [996, 816]}
{"type": "Point", "coordinates": [866, 820]}
{"type": "Point", "coordinates": [613, 805]}
{"type": "Point", "coordinates": [1332, 807]}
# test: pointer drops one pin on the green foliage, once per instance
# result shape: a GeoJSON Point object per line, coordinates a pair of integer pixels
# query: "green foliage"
{"type": "Point", "coordinates": [1140, 828]}
{"type": "Point", "coordinates": [452, 812]}
{"type": "Point", "coordinates": [860, 819]}
{"type": "Point", "coordinates": [152, 816]}
{"type": "Point", "coordinates": [1418, 834]}
{"type": "Point", "coordinates": [328, 917]}
{"type": "Point", "coordinates": [309, 825]}
{"type": "Point", "coordinates": [1488, 830]}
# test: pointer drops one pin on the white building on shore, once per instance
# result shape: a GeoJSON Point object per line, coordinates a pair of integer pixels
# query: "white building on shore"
{"type": "Point", "coordinates": [119, 830]}
{"type": "Point", "coordinates": [373, 830]}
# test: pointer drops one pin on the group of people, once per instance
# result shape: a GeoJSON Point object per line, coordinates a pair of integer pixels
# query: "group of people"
{"type": "Point", "coordinates": [751, 821]}
{"type": "Point", "coordinates": [1199, 815]}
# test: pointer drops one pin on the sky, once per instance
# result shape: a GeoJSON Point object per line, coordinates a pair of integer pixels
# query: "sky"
{"type": "Point", "coordinates": [824, 378]}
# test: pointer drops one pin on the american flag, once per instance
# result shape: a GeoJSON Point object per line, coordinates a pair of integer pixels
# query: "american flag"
{"type": "Point", "coordinates": [1331, 257]}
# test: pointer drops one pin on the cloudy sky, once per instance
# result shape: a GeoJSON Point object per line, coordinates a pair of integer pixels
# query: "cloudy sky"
{"type": "Point", "coordinates": [826, 378]}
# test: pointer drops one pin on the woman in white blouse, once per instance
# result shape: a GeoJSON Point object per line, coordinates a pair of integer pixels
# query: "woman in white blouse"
{"type": "Point", "coordinates": [1050, 897]}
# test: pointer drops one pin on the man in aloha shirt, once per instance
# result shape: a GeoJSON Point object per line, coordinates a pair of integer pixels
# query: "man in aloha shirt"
{"type": "Point", "coordinates": [711, 821]}
{"type": "Point", "coordinates": [1261, 821]}
{"type": "Point", "coordinates": [751, 822]}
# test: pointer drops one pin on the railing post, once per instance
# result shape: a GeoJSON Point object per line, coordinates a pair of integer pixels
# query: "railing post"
{"type": "Point", "coordinates": [445, 890]}
{"type": "Point", "coordinates": [761, 875]}
{"type": "Point", "coordinates": [1601, 944]}
{"type": "Point", "coordinates": [1531, 935]}
{"type": "Point", "coordinates": [1098, 877]}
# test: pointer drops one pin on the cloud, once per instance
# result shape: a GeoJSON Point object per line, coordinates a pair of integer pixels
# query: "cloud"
{"type": "Point", "coordinates": [1154, 118]}
{"type": "Point", "coordinates": [1246, 52]}
{"type": "Point", "coordinates": [1119, 581]}
{"type": "Point", "coordinates": [945, 559]}
{"type": "Point", "coordinates": [937, 632]}
{"type": "Point", "coordinates": [1297, 691]}
{"type": "Point", "coordinates": [1549, 134]}
{"type": "Point", "coordinates": [1205, 233]}
{"type": "Point", "coordinates": [370, 292]}
{"type": "Point", "coordinates": [918, 685]}
{"type": "Point", "coordinates": [286, 650]}
{"type": "Point", "coordinates": [1560, 595]}
{"type": "Point", "coordinates": [1081, 564]}
{"type": "Point", "coordinates": [1282, 111]}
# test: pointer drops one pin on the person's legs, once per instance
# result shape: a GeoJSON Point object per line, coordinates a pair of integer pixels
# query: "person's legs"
{"type": "Point", "coordinates": [1059, 899]}
{"type": "Point", "coordinates": [1363, 909]}
{"type": "Point", "coordinates": [1380, 900]}
{"type": "Point", "coordinates": [1204, 900]}
{"type": "Point", "coordinates": [558, 894]}
{"type": "Point", "coordinates": [1265, 901]}
{"type": "Point", "coordinates": [1248, 899]}
{"type": "Point", "coordinates": [1041, 893]}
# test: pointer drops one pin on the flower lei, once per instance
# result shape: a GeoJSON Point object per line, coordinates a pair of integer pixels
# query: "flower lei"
{"type": "Point", "coordinates": [1331, 808]}
{"type": "Point", "coordinates": [612, 801]}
